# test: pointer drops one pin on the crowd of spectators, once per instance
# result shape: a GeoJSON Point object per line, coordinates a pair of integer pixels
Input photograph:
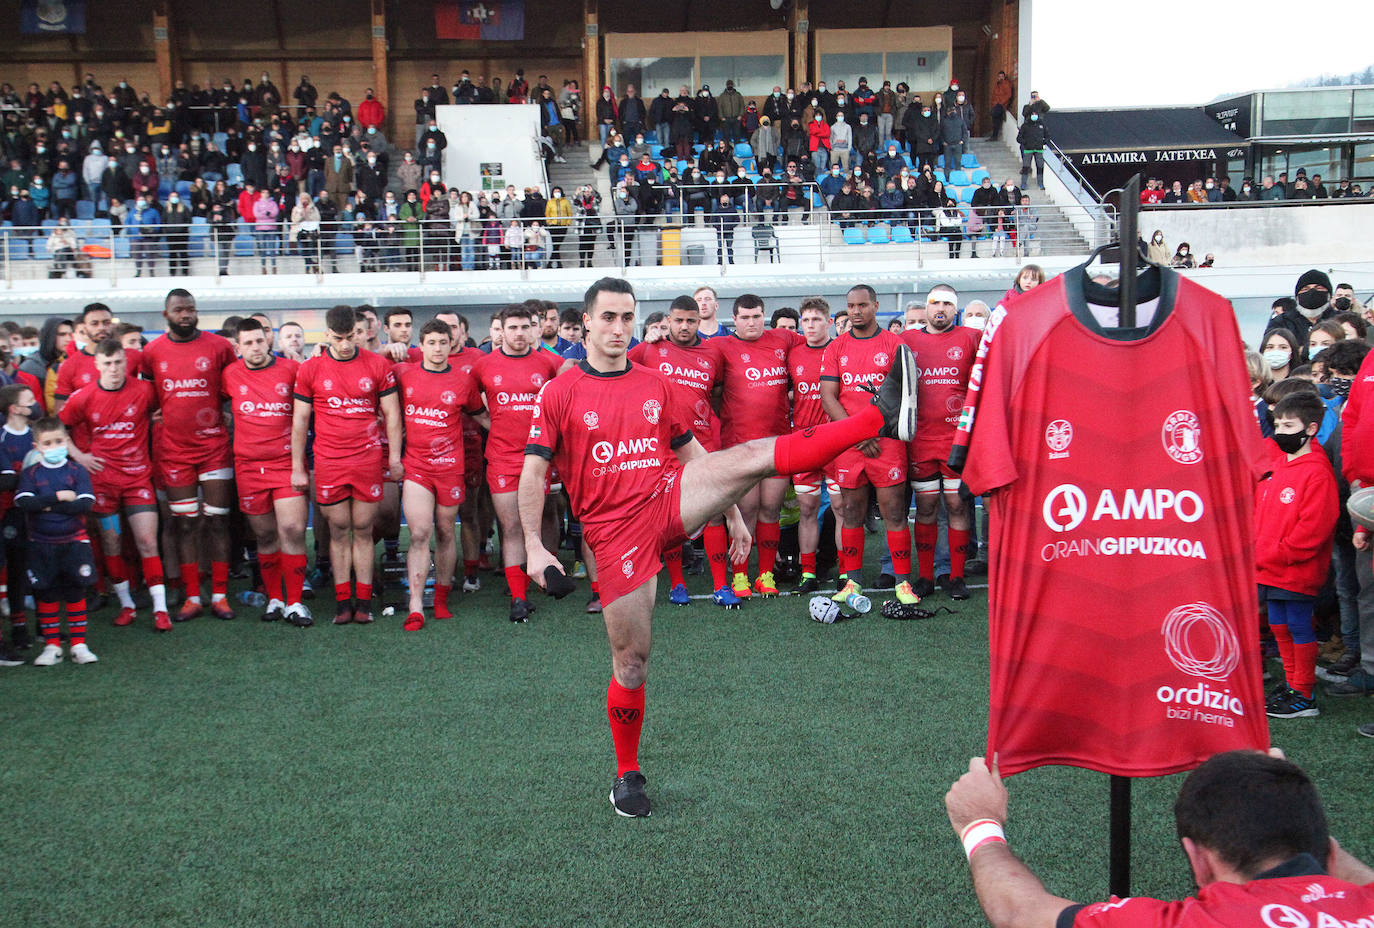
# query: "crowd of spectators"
{"type": "Point", "coordinates": [1213, 189]}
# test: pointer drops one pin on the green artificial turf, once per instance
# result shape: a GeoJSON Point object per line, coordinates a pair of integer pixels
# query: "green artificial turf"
{"type": "Point", "coordinates": [242, 774]}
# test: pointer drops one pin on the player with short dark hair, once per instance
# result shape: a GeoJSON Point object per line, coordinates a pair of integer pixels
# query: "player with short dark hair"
{"type": "Point", "coordinates": [804, 370]}
{"type": "Point", "coordinates": [435, 397]}
{"type": "Point", "coordinates": [258, 388]}
{"type": "Point", "coordinates": [509, 380]}
{"type": "Point", "coordinates": [400, 323]}
{"type": "Point", "coordinates": [640, 482]}
{"type": "Point", "coordinates": [944, 352]}
{"type": "Point", "coordinates": [191, 446]}
{"type": "Point", "coordinates": [55, 492]}
{"type": "Point", "coordinates": [114, 413]}
{"type": "Point", "coordinates": [862, 357]}
{"type": "Point", "coordinates": [78, 368]}
{"type": "Point", "coordinates": [349, 390]}
{"type": "Point", "coordinates": [474, 511]}
{"type": "Point", "coordinates": [785, 317]}
{"type": "Point", "coordinates": [1251, 825]}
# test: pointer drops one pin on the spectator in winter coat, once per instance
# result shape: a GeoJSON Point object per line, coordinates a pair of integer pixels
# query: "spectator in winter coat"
{"type": "Point", "coordinates": [371, 113]}
{"type": "Point", "coordinates": [1033, 136]}
{"type": "Point", "coordinates": [706, 116]}
{"type": "Point", "coordinates": [409, 172]}
{"type": "Point", "coordinates": [818, 134]}
{"type": "Point", "coordinates": [922, 133]}
{"type": "Point", "coordinates": [338, 175]}
{"type": "Point", "coordinates": [730, 107]}
{"type": "Point", "coordinates": [661, 116]}
{"type": "Point", "coordinates": [1001, 104]}
{"type": "Point", "coordinates": [765, 143]}
{"type": "Point", "coordinates": [865, 137]}
{"type": "Point", "coordinates": [633, 113]}
{"type": "Point", "coordinates": [954, 134]}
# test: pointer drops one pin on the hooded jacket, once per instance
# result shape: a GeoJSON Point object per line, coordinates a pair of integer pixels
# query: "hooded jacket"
{"type": "Point", "coordinates": [39, 369]}
{"type": "Point", "coordinates": [1295, 520]}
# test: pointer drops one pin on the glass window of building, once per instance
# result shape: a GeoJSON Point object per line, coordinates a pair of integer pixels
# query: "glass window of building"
{"type": "Point", "coordinates": [1312, 112]}
{"type": "Point", "coordinates": [754, 75]}
{"type": "Point", "coordinates": [650, 75]}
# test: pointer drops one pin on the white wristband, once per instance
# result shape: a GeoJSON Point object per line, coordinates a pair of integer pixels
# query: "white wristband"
{"type": "Point", "coordinates": [984, 831]}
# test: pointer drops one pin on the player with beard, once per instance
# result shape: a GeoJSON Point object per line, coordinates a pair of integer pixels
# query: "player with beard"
{"type": "Point", "coordinates": [346, 387]}
{"type": "Point", "coordinates": [113, 413]}
{"type": "Point", "coordinates": [804, 370]}
{"type": "Point", "coordinates": [258, 388]}
{"type": "Point", "coordinates": [692, 367]}
{"type": "Point", "coordinates": [436, 397]}
{"type": "Point", "coordinates": [191, 446]}
{"type": "Point", "coordinates": [944, 353]}
{"type": "Point", "coordinates": [509, 380]}
{"type": "Point", "coordinates": [862, 357]}
{"type": "Point", "coordinates": [78, 368]}
{"type": "Point", "coordinates": [640, 482]}
{"type": "Point", "coordinates": [754, 405]}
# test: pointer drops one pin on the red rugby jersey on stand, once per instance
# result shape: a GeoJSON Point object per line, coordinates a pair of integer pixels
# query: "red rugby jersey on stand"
{"type": "Point", "coordinates": [693, 373]}
{"type": "Point", "coordinates": [347, 399]}
{"type": "Point", "coordinates": [754, 404]}
{"type": "Point", "coordinates": [855, 363]}
{"type": "Point", "coordinates": [611, 436]}
{"type": "Point", "coordinates": [188, 378]}
{"type": "Point", "coordinates": [116, 425]}
{"type": "Point", "coordinates": [804, 370]}
{"type": "Point", "coordinates": [433, 407]}
{"type": "Point", "coordinates": [511, 387]}
{"type": "Point", "coordinates": [1121, 469]}
{"type": "Point", "coordinates": [260, 399]}
{"type": "Point", "coordinates": [945, 360]}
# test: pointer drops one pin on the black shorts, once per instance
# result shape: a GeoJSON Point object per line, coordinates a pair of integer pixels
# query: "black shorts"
{"type": "Point", "coordinates": [12, 531]}
{"type": "Point", "coordinates": [61, 568]}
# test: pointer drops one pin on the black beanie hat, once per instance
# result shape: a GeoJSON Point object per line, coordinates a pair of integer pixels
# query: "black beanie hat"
{"type": "Point", "coordinates": [1313, 276]}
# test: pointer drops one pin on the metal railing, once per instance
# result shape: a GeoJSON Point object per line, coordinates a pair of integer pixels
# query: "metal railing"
{"type": "Point", "coordinates": [752, 233]}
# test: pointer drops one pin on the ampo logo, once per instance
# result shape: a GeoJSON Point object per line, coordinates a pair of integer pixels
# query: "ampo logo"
{"type": "Point", "coordinates": [1200, 642]}
{"type": "Point", "coordinates": [1065, 508]}
{"type": "Point", "coordinates": [665, 369]}
{"type": "Point", "coordinates": [246, 407]}
{"type": "Point", "coordinates": [602, 452]}
{"type": "Point", "coordinates": [751, 373]}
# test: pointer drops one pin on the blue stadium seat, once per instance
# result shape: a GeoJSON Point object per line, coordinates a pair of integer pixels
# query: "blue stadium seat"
{"type": "Point", "coordinates": [683, 165]}
{"type": "Point", "coordinates": [85, 209]}
{"type": "Point", "coordinates": [853, 236]}
{"type": "Point", "coordinates": [957, 179]}
{"type": "Point", "coordinates": [233, 175]}
{"type": "Point", "coordinates": [198, 241]}
{"type": "Point", "coordinates": [889, 142]}
{"type": "Point", "coordinates": [966, 194]}
{"type": "Point", "coordinates": [907, 158]}
{"type": "Point", "coordinates": [743, 150]}
{"type": "Point", "coordinates": [121, 246]}
{"type": "Point", "coordinates": [970, 160]}
{"type": "Point", "coordinates": [81, 226]}
{"type": "Point", "coordinates": [902, 235]}
{"type": "Point", "coordinates": [656, 151]}
{"type": "Point", "coordinates": [698, 148]}
{"type": "Point", "coordinates": [183, 188]}
{"type": "Point", "coordinates": [816, 201]}
{"type": "Point", "coordinates": [878, 235]}
{"type": "Point", "coordinates": [221, 138]}
{"type": "Point", "coordinates": [19, 248]}
{"type": "Point", "coordinates": [343, 243]}
{"type": "Point", "coordinates": [243, 245]}
{"type": "Point", "coordinates": [164, 188]}
{"type": "Point", "coordinates": [976, 177]}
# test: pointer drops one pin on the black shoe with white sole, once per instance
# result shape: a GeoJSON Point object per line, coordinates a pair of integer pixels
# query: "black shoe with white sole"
{"type": "Point", "coordinates": [955, 588]}
{"type": "Point", "coordinates": [628, 795]}
{"type": "Point", "coordinates": [519, 611]}
{"type": "Point", "coordinates": [896, 397]}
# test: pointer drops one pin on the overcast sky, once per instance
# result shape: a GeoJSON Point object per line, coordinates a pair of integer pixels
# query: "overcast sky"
{"type": "Point", "coordinates": [1184, 51]}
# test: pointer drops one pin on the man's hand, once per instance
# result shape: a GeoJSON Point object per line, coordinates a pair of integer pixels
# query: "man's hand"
{"type": "Point", "coordinates": [300, 480]}
{"type": "Point", "coordinates": [395, 351]}
{"type": "Point", "coordinates": [66, 496]}
{"type": "Point", "coordinates": [394, 470]}
{"type": "Point", "coordinates": [870, 448]}
{"type": "Point", "coordinates": [537, 560]}
{"type": "Point", "coordinates": [740, 539]}
{"type": "Point", "coordinates": [1360, 540]}
{"type": "Point", "coordinates": [89, 461]}
{"type": "Point", "coordinates": [977, 794]}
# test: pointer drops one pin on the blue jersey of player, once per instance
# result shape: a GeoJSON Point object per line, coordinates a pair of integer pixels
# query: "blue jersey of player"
{"type": "Point", "coordinates": [52, 521]}
{"type": "Point", "coordinates": [14, 447]}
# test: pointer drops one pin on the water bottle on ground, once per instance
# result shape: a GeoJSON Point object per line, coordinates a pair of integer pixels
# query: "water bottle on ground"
{"type": "Point", "coordinates": [858, 602]}
{"type": "Point", "coordinates": [252, 598]}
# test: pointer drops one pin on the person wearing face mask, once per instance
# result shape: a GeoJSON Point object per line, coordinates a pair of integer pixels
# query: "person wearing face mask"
{"type": "Point", "coordinates": [818, 139]}
{"type": "Point", "coordinates": [1032, 137]}
{"type": "Point", "coordinates": [841, 142]}
{"type": "Point", "coordinates": [1313, 305]}
{"type": "Point", "coordinates": [254, 163]}
{"type": "Point", "coordinates": [1280, 351]}
{"type": "Point", "coordinates": [558, 216]}
{"type": "Point", "coordinates": [371, 112]}
{"type": "Point", "coordinates": [145, 232]}
{"type": "Point", "coordinates": [922, 130]}
{"type": "Point", "coordinates": [706, 116]}
{"type": "Point", "coordinates": [963, 106]}
{"type": "Point", "coordinates": [954, 136]}
{"type": "Point", "coordinates": [176, 221]}
{"type": "Point", "coordinates": [371, 176]}
{"type": "Point", "coordinates": [1158, 251]}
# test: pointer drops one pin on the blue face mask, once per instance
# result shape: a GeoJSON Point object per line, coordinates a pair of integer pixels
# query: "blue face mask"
{"type": "Point", "coordinates": [56, 455]}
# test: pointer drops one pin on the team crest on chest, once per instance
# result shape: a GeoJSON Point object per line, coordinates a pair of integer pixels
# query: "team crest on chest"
{"type": "Point", "coordinates": [448, 397]}
{"type": "Point", "coordinates": [881, 359]}
{"type": "Point", "coordinates": [202, 364]}
{"type": "Point", "coordinates": [1182, 437]}
{"type": "Point", "coordinates": [955, 353]}
{"type": "Point", "coordinates": [652, 410]}
{"type": "Point", "coordinates": [589, 419]}
{"type": "Point", "coordinates": [365, 384]}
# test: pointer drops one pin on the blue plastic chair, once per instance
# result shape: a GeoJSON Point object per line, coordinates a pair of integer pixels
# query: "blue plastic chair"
{"type": "Point", "coordinates": [957, 179]}
{"type": "Point", "coordinates": [902, 235]}
{"type": "Point", "coordinates": [164, 189]}
{"type": "Point", "coordinates": [183, 188]}
{"type": "Point", "coordinates": [198, 241]}
{"type": "Point", "coordinates": [234, 175]}
{"type": "Point", "coordinates": [19, 248]}
{"type": "Point", "coordinates": [743, 150]}
{"type": "Point", "coordinates": [221, 139]}
{"type": "Point", "coordinates": [682, 165]}
{"type": "Point", "coordinates": [243, 245]}
{"type": "Point", "coordinates": [966, 194]}
{"type": "Point", "coordinates": [969, 160]}
{"type": "Point", "coordinates": [891, 142]}
{"type": "Point", "coordinates": [977, 176]}
{"type": "Point", "coordinates": [879, 235]}
{"type": "Point", "coordinates": [854, 236]}
{"type": "Point", "coordinates": [122, 248]}
{"type": "Point", "coordinates": [85, 209]}
{"type": "Point", "coordinates": [698, 148]}
{"type": "Point", "coordinates": [81, 225]}
{"type": "Point", "coordinates": [656, 151]}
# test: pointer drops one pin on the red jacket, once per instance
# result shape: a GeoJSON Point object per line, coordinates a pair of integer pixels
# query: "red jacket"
{"type": "Point", "coordinates": [1357, 427]}
{"type": "Point", "coordinates": [246, 201]}
{"type": "Point", "coordinates": [1295, 521]}
{"type": "Point", "coordinates": [818, 134]}
{"type": "Point", "coordinates": [371, 113]}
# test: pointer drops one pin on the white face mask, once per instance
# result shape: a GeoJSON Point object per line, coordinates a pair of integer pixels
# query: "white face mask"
{"type": "Point", "coordinates": [1278, 357]}
{"type": "Point", "coordinates": [976, 322]}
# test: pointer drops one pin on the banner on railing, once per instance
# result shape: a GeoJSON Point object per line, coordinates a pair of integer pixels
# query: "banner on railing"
{"type": "Point", "coordinates": [52, 17]}
{"type": "Point", "coordinates": [492, 21]}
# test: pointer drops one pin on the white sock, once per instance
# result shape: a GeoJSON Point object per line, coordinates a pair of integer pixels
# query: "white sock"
{"type": "Point", "coordinates": [217, 598]}
{"type": "Point", "coordinates": [122, 591]}
{"type": "Point", "coordinates": [159, 594]}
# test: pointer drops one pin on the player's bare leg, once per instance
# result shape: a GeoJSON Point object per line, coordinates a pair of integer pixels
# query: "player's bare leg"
{"type": "Point", "coordinates": [507, 508]}
{"type": "Point", "coordinates": [184, 504]}
{"type": "Point", "coordinates": [628, 628]}
{"type": "Point", "coordinates": [339, 517]}
{"type": "Point", "coordinates": [218, 494]}
{"type": "Point", "coordinates": [143, 524]}
{"type": "Point", "coordinates": [363, 517]}
{"type": "Point", "coordinates": [169, 535]}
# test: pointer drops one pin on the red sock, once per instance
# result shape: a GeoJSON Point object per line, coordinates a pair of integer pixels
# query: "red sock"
{"type": "Point", "coordinates": [717, 542]}
{"type": "Point", "coordinates": [814, 447]}
{"type": "Point", "coordinates": [152, 571]}
{"type": "Point", "coordinates": [1304, 674]}
{"type": "Point", "coordinates": [851, 550]}
{"type": "Point", "coordinates": [76, 622]}
{"type": "Point", "coordinates": [625, 710]}
{"type": "Point", "coordinates": [925, 548]}
{"type": "Point", "coordinates": [364, 595]}
{"type": "Point", "coordinates": [1284, 639]}
{"type": "Point", "coordinates": [292, 567]}
{"type": "Point", "coordinates": [808, 562]}
{"type": "Point", "coordinates": [115, 568]}
{"type": "Point", "coordinates": [470, 568]}
{"type": "Point", "coordinates": [672, 559]}
{"type": "Point", "coordinates": [767, 533]}
{"type": "Point", "coordinates": [958, 551]}
{"type": "Point", "coordinates": [518, 582]}
{"type": "Point", "coordinates": [190, 579]}
{"type": "Point", "coordinates": [596, 589]}
{"type": "Point", "coordinates": [49, 622]}
{"type": "Point", "coordinates": [270, 567]}
{"type": "Point", "coordinates": [343, 592]}
{"type": "Point", "coordinates": [441, 591]}
{"type": "Point", "coordinates": [899, 546]}
{"type": "Point", "coordinates": [219, 578]}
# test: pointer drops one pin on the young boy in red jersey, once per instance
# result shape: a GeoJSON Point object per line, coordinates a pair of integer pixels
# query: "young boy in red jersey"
{"type": "Point", "coordinates": [1295, 521]}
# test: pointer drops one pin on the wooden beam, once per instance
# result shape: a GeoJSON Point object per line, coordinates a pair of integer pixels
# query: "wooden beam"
{"type": "Point", "coordinates": [799, 24]}
{"type": "Point", "coordinates": [591, 67]}
{"type": "Point", "coordinates": [380, 68]}
{"type": "Point", "coordinates": [162, 50]}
